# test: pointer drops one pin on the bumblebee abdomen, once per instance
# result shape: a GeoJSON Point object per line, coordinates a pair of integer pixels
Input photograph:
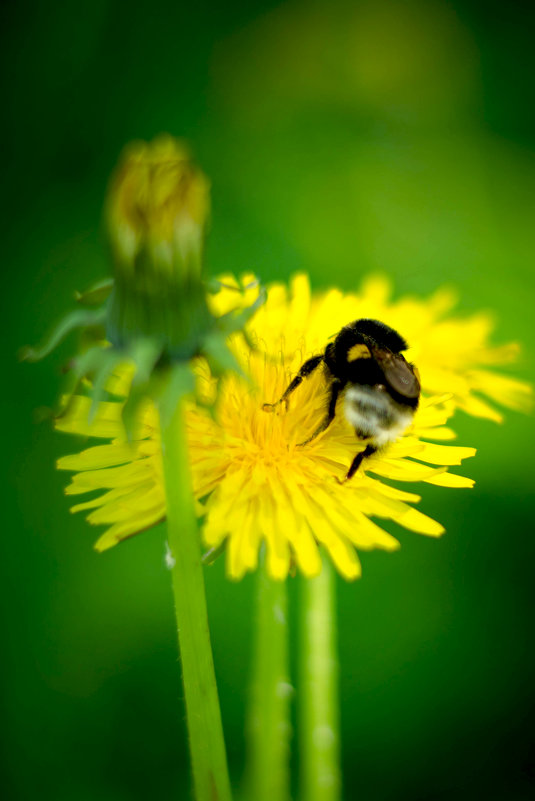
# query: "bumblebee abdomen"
{"type": "Point", "coordinates": [374, 414]}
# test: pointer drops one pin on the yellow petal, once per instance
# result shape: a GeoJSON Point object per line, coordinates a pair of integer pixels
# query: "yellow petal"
{"type": "Point", "coordinates": [124, 530]}
{"type": "Point", "coordinates": [98, 457]}
{"type": "Point", "coordinates": [128, 475]}
{"type": "Point", "coordinates": [417, 521]}
{"type": "Point", "coordinates": [479, 408]}
{"type": "Point", "coordinates": [443, 454]}
{"type": "Point", "coordinates": [451, 480]}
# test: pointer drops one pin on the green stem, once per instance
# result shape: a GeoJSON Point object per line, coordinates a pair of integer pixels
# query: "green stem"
{"type": "Point", "coordinates": [269, 724]}
{"type": "Point", "coordinates": [318, 689]}
{"type": "Point", "coordinates": [206, 740]}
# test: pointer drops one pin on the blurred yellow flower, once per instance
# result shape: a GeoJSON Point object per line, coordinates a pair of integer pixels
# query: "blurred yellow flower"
{"type": "Point", "coordinates": [253, 482]}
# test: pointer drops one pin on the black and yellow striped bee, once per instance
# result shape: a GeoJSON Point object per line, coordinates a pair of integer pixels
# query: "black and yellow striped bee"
{"type": "Point", "coordinates": [381, 390]}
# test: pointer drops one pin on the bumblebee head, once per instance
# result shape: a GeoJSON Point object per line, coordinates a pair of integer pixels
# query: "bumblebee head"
{"type": "Point", "coordinates": [380, 334]}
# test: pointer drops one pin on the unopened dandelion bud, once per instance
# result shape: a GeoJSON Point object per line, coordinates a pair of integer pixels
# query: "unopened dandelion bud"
{"type": "Point", "coordinates": [157, 211]}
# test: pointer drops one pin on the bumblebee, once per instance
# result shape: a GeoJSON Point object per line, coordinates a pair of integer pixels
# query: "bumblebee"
{"type": "Point", "coordinates": [381, 390]}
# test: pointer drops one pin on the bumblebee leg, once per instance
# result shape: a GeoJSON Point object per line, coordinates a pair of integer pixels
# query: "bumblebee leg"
{"type": "Point", "coordinates": [369, 450]}
{"type": "Point", "coordinates": [336, 388]}
{"type": "Point", "coordinates": [307, 368]}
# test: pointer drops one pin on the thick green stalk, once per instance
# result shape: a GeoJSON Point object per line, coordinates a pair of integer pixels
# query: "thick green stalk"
{"type": "Point", "coordinates": [269, 723]}
{"type": "Point", "coordinates": [318, 689]}
{"type": "Point", "coordinates": [205, 730]}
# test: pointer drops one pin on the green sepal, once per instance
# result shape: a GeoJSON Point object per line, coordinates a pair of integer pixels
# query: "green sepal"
{"type": "Point", "coordinates": [174, 386]}
{"type": "Point", "coordinates": [89, 362]}
{"type": "Point", "coordinates": [210, 407]}
{"type": "Point", "coordinates": [210, 556]}
{"type": "Point", "coordinates": [136, 396]}
{"type": "Point", "coordinates": [237, 320]}
{"type": "Point", "coordinates": [214, 285]}
{"type": "Point", "coordinates": [96, 294]}
{"type": "Point", "coordinates": [218, 355]}
{"type": "Point", "coordinates": [144, 353]}
{"type": "Point", "coordinates": [79, 318]}
{"type": "Point", "coordinates": [106, 365]}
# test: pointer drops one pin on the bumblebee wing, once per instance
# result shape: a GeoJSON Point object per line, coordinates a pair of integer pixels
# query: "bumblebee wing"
{"type": "Point", "coordinates": [397, 372]}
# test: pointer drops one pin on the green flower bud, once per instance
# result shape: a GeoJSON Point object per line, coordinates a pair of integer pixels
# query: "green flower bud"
{"type": "Point", "coordinates": [157, 210]}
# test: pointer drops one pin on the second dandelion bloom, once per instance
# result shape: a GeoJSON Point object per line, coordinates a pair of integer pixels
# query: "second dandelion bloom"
{"type": "Point", "coordinates": [253, 480]}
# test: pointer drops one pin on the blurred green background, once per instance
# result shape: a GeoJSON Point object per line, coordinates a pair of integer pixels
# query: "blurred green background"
{"type": "Point", "coordinates": [341, 138]}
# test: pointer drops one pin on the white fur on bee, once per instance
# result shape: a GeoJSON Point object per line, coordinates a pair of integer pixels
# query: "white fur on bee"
{"type": "Point", "coordinates": [374, 414]}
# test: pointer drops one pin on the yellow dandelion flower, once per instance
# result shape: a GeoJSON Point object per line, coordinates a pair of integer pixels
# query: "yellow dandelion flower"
{"type": "Point", "coordinates": [253, 481]}
{"type": "Point", "coordinates": [452, 353]}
